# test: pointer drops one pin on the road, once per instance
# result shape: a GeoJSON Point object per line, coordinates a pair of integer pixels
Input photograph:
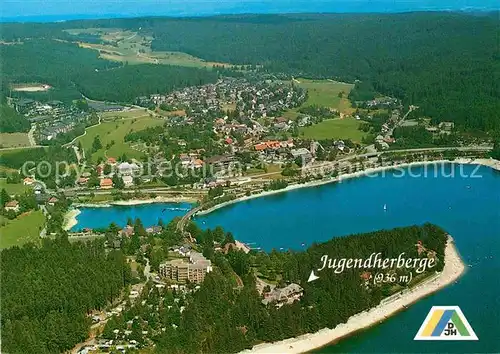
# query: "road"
{"type": "Point", "coordinates": [83, 191]}
{"type": "Point", "coordinates": [400, 121]}
{"type": "Point", "coordinates": [84, 133]}
{"type": "Point", "coordinates": [31, 138]}
{"type": "Point", "coordinates": [22, 147]}
{"type": "Point", "coordinates": [378, 153]}
{"type": "Point", "coordinates": [186, 217]}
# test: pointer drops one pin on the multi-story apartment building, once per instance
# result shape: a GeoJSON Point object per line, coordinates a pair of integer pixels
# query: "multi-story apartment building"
{"type": "Point", "coordinates": [180, 270]}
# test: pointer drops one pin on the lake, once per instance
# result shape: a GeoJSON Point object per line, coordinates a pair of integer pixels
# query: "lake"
{"type": "Point", "coordinates": [149, 214]}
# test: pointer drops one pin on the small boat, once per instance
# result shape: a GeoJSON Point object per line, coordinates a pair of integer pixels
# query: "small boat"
{"type": "Point", "coordinates": [385, 207]}
{"type": "Point", "coordinates": [303, 244]}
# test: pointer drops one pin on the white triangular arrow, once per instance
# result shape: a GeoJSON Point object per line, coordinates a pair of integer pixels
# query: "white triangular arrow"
{"type": "Point", "coordinates": [312, 277]}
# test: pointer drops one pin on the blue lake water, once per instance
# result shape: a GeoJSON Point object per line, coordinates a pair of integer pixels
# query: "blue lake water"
{"type": "Point", "coordinates": [148, 213]}
{"type": "Point", "coordinates": [467, 207]}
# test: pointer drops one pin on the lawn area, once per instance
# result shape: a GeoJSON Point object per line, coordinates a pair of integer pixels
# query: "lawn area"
{"type": "Point", "coordinates": [323, 93]}
{"type": "Point", "coordinates": [133, 113]}
{"type": "Point", "coordinates": [26, 228]}
{"type": "Point", "coordinates": [8, 140]}
{"type": "Point", "coordinates": [17, 188]}
{"type": "Point", "coordinates": [346, 128]}
{"type": "Point", "coordinates": [9, 152]}
{"type": "Point", "coordinates": [115, 131]}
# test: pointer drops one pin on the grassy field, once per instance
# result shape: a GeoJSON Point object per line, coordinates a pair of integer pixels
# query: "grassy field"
{"type": "Point", "coordinates": [135, 48]}
{"type": "Point", "coordinates": [115, 131]}
{"type": "Point", "coordinates": [8, 140]}
{"type": "Point", "coordinates": [323, 93]}
{"type": "Point", "coordinates": [9, 152]}
{"type": "Point", "coordinates": [26, 228]}
{"type": "Point", "coordinates": [326, 93]}
{"type": "Point", "coordinates": [346, 128]}
{"type": "Point", "coordinates": [12, 189]}
{"type": "Point", "coordinates": [134, 113]}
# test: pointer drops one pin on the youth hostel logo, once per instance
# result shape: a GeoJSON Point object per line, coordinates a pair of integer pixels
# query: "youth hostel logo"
{"type": "Point", "coordinates": [445, 323]}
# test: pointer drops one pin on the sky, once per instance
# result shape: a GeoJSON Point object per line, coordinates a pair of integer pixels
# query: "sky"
{"type": "Point", "coordinates": [53, 10]}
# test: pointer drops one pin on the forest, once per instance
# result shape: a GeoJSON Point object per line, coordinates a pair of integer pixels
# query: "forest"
{"type": "Point", "coordinates": [73, 71]}
{"type": "Point", "coordinates": [11, 121]}
{"type": "Point", "coordinates": [47, 292]}
{"type": "Point", "coordinates": [125, 84]}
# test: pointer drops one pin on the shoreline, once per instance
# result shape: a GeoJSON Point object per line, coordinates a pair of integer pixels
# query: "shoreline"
{"type": "Point", "coordinates": [132, 202]}
{"type": "Point", "coordinates": [453, 269]}
{"type": "Point", "coordinates": [494, 164]}
{"type": "Point", "coordinates": [70, 219]}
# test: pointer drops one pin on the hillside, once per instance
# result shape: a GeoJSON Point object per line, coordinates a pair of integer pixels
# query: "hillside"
{"type": "Point", "coordinates": [72, 71]}
{"type": "Point", "coordinates": [446, 63]}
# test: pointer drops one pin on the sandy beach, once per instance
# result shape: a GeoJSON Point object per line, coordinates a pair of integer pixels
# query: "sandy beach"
{"type": "Point", "coordinates": [159, 199]}
{"type": "Point", "coordinates": [453, 269]}
{"type": "Point", "coordinates": [494, 164]}
{"type": "Point", "coordinates": [70, 219]}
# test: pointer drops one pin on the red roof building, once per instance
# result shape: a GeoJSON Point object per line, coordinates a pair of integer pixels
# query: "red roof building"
{"type": "Point", "coordinates": [106, 183]}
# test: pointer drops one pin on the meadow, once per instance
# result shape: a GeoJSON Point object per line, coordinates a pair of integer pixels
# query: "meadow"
{"type": "Point", "coordinates": [10, 140]}
{"type": "Point", "coordinates": [326, 93]}
{"type": "Point", "coordinates": [134, 48]}
{"type": "Point", "coordinates": [323, 93]}
{"type": "Point", "coordinates": [133, 113]}
{"type": "Point", "coordinates": [346, 128]}
{"type": "Point", "coordinates": [13, 188]}
{"type": "Point", "coordinates": [112, 134]}
{"type": "Point", "coordinates": [25, 228]}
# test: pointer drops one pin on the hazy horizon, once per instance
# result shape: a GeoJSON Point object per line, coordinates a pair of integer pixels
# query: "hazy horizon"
{"type": "Point", "coordinates": [57, 10]}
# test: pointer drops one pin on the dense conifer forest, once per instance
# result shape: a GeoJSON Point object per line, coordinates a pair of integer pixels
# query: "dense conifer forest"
{"type": "Point", "coordinates": [73, 71]}
{"type": "Point", "coordinates": [47, 292]}
{"type": "Point", "coordinates": [125, 84]}
{"type": "Point", "coordinates": [11, 121]}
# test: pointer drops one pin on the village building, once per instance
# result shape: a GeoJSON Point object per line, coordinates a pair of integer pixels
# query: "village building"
{"type": "Point", "coordinates": [13, 205]}
{"type": "Point", "coordinates": [193, 271]}
{"type": "Point", "coordinates": [82, 181]}
{"type": "Point", "coordinates": [52, 201]}
{"type": "Point", "coordinates": [446, 126]}
{"type": "Point", "coordinates": [128, 180]}
{"type": "Point", "coordinates": [302, 153]}
{"type": "Point", "coordinates": [127, 231]}
{"type": "Point", "coordinates": [128, 169]}
{"type": "Point", "coordinates": [282, 296]}
{"type": "Point", "coordinates": [28, 181]}
{"type": "Point", "coordinates": [106, 183]}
